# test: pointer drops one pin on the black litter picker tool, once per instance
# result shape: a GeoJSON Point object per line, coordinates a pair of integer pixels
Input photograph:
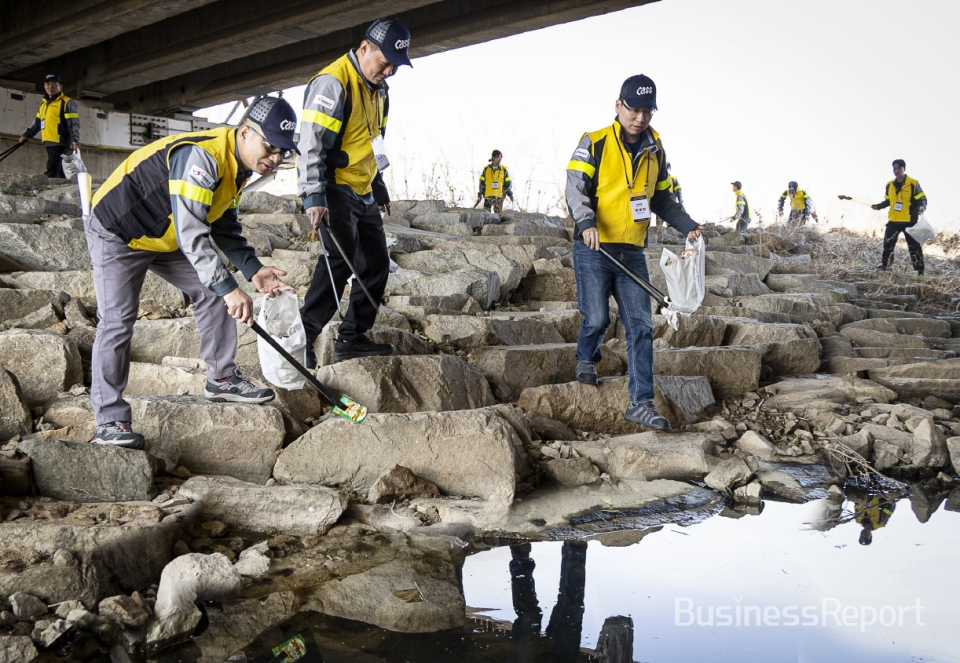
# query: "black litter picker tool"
{"type": "Point", "coordinates": [8, 152]}
{"type": "Point", "coordinates": [343, 407]}
{"type": "Point", "coordinates": [639, 280]}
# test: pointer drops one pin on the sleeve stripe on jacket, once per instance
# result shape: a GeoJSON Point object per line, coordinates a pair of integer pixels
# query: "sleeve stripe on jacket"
{"type": "Point", "coordinates": [191, 192]}
{"type": "Point", "coordinates": [324, 120]}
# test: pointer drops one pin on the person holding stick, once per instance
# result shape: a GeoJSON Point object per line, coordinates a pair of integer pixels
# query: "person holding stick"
{"type": "Point", "coordinates": [158, 212]}
{"type": "Point", "coordinates": [345, 109]}
{"type": "Point", "coordinates": [616, 180]}
{"type": "Point", "coordinates": [907, 202]}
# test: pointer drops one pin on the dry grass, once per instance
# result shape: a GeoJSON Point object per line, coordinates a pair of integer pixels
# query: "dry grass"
{"type": "Point", "coordinates": [847, 255]}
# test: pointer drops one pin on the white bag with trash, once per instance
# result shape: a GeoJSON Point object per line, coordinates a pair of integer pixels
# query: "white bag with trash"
{"type": "Point", "coordinates": [685, 276]}
{"type": "Point", "coordinates": [280, 317]}
{"type": "Point", "coordinates": [922, 231]}
{"type": "Point", "coordinates": [73, 166]}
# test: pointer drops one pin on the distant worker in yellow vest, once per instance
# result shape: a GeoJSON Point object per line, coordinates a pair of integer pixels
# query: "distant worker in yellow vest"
{"type": "Point", "coordinates": [801, 205]}
{"type": "Point", "coordinates": [616, 180]}
{"type": "Point", "coordinates": [495, 183]}
{"type": "Point", "coordinates": [345, 109]}
{"type": "Point", "coordinates": [162, 210]}
{"type": "Point", "coordinates": [907, 202]}
{"type": "Point", "coordinates": [58, 124]}
{"type": "Point", "coordinates": [742, 214]}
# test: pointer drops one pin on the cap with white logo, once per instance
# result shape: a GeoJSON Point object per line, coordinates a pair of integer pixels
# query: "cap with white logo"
{"type": "Point", "coordinates": [276, 120]}
{"type": "Point", "coordinates": [639, 91]}
{"type": "Point", "coordinates": [392, 38]}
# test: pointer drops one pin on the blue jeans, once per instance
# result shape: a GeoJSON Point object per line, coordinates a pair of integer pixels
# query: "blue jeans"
{"type": "Point", "coordinates": [597, 279]}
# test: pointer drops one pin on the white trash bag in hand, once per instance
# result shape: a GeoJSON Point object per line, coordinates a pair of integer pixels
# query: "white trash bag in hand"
{"type": "Point", "coordinates": [922, 231]}
{"type": "Point", "coordinates": [685, 276]}
{"type": "Point", "coordinates": [280, 317]}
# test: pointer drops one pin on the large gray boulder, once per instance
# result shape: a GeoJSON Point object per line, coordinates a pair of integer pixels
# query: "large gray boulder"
{"type": "Point", "coordinates": [299, 271]}
{"type": "Point", "coordinates": [923, 378]}
{"type": "Point", "coordinates": [466, 332]}
{"type": "Point", "coordinates": [409, 383]}
{"type": "Point", "coordinates": [471, 453]}
{"type": "Point", "coordinates": [266, 203]}
{"type": "Point", "coordinates": [800, 308]}
{"type": "Point", "coordinates": [404, 342]}
{"type": "Point", "coordinates": [560, 285]}
{"type": "Point", "coordinates": [877, 339]}
{"type": "Point", "coordinates": [84, 472]}
{"type": "Point", "coordinates": [728, 474]}
{"type": "Point", "coordinates": [800, 394]}
{"type": "Point", "coordinates": [44, 248]}
{"type": "Point", "coordinates": [649, 456]}
{"type": "Point", "coordinates": [297, 510]}
{"type": "Point", "coordinates": [15, 417]}
{"type": "Point", "coordinates": [155, 339]}
{"type": "Point", "coordinates": [721, 263]}
{"type": "Point", "coordinates": [16, 304]}
{"type": "Point", "coordinates": [693, 331]}
{"type": "Point", "coordinates": [524, 254]}
{"type": "Point", "coordinates": [25, 209]}
{"type": "Point", "coordinates": [565, 321]}
{"type": "Point", "coordinates": [79, 284]}
{"type": "Point", "coordinates": [444, 261]}
{"type": "Point", "coordinates": [17, 649]}
{"type": "Point", "coordinates": [601, 408]}
{"type": "Point", "coordinates": [731, 371]}
{"type": "Point", "coordinates": [482, 285]}
{"type": "Point", "coordinates": [230, 439]}
{"type": "Point", "coordinates": [44, 363]}
{"type": "Point", "coordinates": [788, 349]}
{"type": "Point", "coordinates": [929, 327]}
{"type": "Point", "coordinates": [511, 368]}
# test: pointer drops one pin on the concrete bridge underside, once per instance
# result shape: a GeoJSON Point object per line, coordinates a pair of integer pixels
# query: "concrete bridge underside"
{"type": "Point", "coordinates": [163, 56]}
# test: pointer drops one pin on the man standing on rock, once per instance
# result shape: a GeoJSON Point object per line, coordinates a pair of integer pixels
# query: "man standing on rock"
{"type": "Point", "coordinates": [907, 202]}
{"type": "Point", "coordinates": [158, 211]}
{"type": "Point", "coordinates": [58, 124]}
{"type": "Point", "coordinates": [742, 216]}
{"type": "Point", "coordinates": [495, 183]}
{"type": "Point", "coordinates": [801, 207]}
{"type": "Point", "coordinates": [616, 179]}
{"type": "Point", "coordinates": [345, 110]}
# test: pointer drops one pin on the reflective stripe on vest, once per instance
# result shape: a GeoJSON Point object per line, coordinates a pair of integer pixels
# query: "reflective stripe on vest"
{"type": "Point", "coordinates": [49, 114]}
{"type": "Point", "coordinates": [134, 202]}
{"type": "Point", "coordinates": [491, 176]}
{"type": "Point", "coordinates": [905, 197]}
{"type": "Point", "coordinates": [746, 205]}
{"type": "Point", "coordinates": [364, 123]}
{"type": "Point", "coordinates": [613, 211]}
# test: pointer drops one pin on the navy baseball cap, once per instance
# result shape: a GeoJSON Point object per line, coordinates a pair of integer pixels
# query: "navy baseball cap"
{"type": "Point", "coordinates": [392, 38]}
{"type": "Point", "coordinates": [51, 78]}
{"type": "Point", "coordinates": [276, 120]}
{"type": "Point", "coordinates": [639, 91]}
{"type": "Point", "coordinates": [737, 184]}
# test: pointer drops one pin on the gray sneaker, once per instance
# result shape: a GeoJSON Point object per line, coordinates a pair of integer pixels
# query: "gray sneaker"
{"type": "Point", "coordinates": [117, 434]}
{"type": "Point", "coordinates": [587, 372]}
{"type": "Point", "coordinates": [237, 390]}
{"type": "Point", "coordinates": [646, 414]}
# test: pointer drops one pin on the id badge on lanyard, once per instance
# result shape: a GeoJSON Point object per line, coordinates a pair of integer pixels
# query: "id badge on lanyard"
{"type": "Point", "coordinates": [43, 125]}
{"type": "Point", "coordinates": [640, 206]}
{"type": "Point", "coordinates": [898, 207]}
{"type": "Point", "coordinates": [495, 185]}
{"type": "Point", "coordinates": [380, 153]}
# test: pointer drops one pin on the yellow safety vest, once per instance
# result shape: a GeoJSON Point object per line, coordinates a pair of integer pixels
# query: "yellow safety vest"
{"type": "Point", "coordinates": [746, 205]}
{"type": "Point", "coordinates": [364, 121]}
{"type": "Point", "coordinates": [50, 114]}
{"type": "Point", "coordinates": [903, 198]}
{"type": "Point", "coordinates": [493, 177]}
{"type": "Point", "coordinates": [797, 199]}
{"type": "Point", "coordinates": [614, 187]}
{"type": "Point", "coordinates": [134, 202]}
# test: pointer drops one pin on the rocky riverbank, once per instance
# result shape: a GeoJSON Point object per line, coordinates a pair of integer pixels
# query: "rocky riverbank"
{"type": "Point", "coordinates": [793, 375]}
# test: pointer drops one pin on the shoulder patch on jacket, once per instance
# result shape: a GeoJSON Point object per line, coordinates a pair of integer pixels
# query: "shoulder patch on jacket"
{"type": "Point", "coordinates": [582, 153]}
{"type": "Point", "coordinates": [324, 102]}
{"type": "Point", "coordinates": [198, 174]}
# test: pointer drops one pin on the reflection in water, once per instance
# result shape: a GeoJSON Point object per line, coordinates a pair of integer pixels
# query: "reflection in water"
{"type": "Point", "coordinates": [561, 642]}
{"type": "Point", "coordinates": [873, 514]}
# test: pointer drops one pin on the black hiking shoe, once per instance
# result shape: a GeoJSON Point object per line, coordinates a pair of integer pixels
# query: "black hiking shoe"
{"type": "Point", "coordinates": [646, 414]}
{"type": "Point", "coordinates": [237, 390]}
{"type": "Point", "coordinates": [361, 347]}
{"type": "Point", "coordinates": [117, 434]}
{"type": "Point", "coordinates": [587, 372]}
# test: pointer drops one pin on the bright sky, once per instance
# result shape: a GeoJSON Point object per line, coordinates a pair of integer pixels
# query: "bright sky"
{"type": "Point", "coordinates": [763, 91]}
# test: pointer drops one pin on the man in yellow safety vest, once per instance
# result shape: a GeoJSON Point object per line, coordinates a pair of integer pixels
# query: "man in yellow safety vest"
{"type": "Point", "coordinates": [907, 202]}
{"type": "Point", "coordinates": [495, 183]}
{"type": "Point", "coordinates": [58, 124]}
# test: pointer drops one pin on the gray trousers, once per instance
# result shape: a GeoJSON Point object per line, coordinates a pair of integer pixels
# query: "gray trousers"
{"type": "Point", "coordinates": [118, 274]}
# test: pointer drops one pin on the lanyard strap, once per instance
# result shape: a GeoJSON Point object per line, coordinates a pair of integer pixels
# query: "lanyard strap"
{"type": "Point", "coordinates": [626, 176]}
{"type": "Point", "coordinates": [366, 120]}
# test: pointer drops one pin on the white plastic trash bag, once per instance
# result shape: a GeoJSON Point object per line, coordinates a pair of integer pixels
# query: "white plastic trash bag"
{"type": "Point", "coordinates": [685, 276]}
{"type": "Point", "coordinates": [280, 317]}
{"type": "Point", "coordinates": [923, 231]}
{"type": "Point", "coordinates": [73, 164]}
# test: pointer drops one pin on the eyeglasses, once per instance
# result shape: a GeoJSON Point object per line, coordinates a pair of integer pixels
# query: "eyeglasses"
{"type": "Point", "coordinates": [646, 111]}
{"type": "Point", "coordinates": [271, 149]}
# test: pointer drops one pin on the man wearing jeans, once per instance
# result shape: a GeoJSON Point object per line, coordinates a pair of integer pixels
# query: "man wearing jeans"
{"type": "Point", "coordinates": [616, 179]}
